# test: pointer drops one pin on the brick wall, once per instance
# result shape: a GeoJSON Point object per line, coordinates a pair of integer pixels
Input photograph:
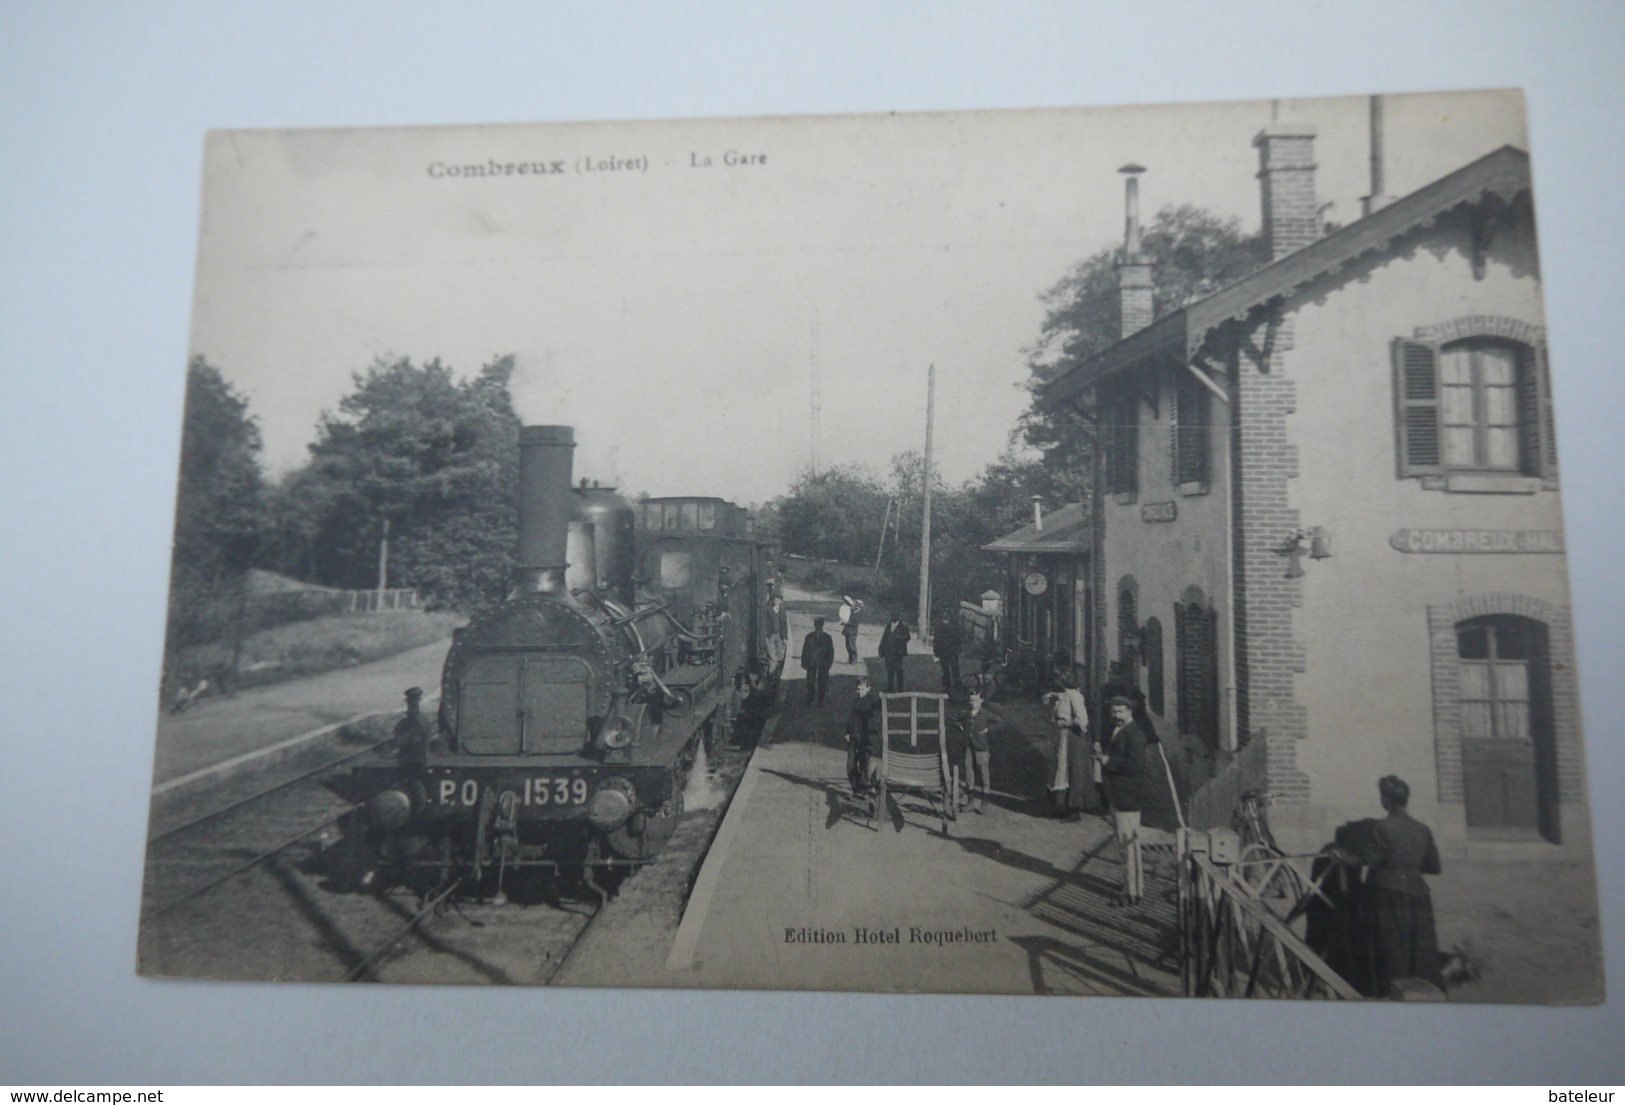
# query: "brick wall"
{"type": "Point", "coordinates": [1267, 655]}
{"type": "Point", "coordinates": [1286, 171]}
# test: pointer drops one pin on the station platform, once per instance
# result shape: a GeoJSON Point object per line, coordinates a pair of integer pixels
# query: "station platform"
{"type": "Point", "coordinates": [800, 892]}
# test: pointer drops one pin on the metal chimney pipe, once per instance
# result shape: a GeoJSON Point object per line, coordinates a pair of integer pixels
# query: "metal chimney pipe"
{"type": "Point", "coordinates": [544, 506]}
{"type": "Point", "coordinates": [1378, 198]}
{"type": "Point", "coordinates": [1038, 513]}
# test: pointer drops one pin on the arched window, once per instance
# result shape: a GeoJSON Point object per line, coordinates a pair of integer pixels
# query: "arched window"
{"type": "Point", "coordinates": [1197, 673]}
{"type": "Point", "coordinates": [1128, 629]}
{"type": "Point", "coordinates": [1152, 644]}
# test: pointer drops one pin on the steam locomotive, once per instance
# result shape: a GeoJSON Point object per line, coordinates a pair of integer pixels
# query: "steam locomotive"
{"type": "Point", "coordinates": [571, 713]}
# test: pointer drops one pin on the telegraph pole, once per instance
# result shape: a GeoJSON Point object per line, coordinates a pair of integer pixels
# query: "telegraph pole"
{"type": "Point", "coordinates": [925, 525]}
{"type": "Point", "coordinates": [383, 564]}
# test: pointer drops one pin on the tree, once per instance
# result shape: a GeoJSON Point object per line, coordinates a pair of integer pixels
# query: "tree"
{"type": "Point", "coordinates": [1192, 251]}
{"type": "Point", "coordinates": [835, 514]}
{"type": "Point", "coordinates": [219, 508]}
{"type": "Point", "coordinates": [434, 457]}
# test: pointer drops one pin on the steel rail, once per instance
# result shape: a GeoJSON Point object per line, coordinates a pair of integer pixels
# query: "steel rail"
{"type": "Point", "coordinates": [247, 864]}
{"type": "Point", "coordinates": [257, 795]}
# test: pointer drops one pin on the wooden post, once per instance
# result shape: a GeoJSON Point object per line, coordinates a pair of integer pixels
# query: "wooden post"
{"type": "Point", "coordinates": [925, 525]}
{"type": "Point", "coordinates": [383, 567]}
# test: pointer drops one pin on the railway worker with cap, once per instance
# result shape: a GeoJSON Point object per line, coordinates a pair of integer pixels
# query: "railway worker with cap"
{"type": "Point", "coordinates": [1399, 850]}
{"type": "Point", "coordinates": [1123, 765]}
{"type": "Point", "coordinates": [893, 647]}
{"type": "Point", "coordinates": [817, 657]}
{"type": "Point", "coordinates": [412, 733]}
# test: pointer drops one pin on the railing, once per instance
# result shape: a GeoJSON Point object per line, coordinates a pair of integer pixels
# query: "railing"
{"type": "Point", "coordinates": [370, 602]}
{"type": "Point", "coordinates": [1236, 938]}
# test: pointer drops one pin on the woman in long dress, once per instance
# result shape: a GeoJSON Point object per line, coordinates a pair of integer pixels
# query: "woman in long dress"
{"type": "Point", "coordinates": [1071, 783]}
{"type": "Point", "coordinates": [1399, 850]}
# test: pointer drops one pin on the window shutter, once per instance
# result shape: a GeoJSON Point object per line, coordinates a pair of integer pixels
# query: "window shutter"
{"type": "Point", "coordinates": [1191, 434]}
{"type": "Point", "coordinates": [1106, 428]}
{"type": "Point", "coordinates": [1548, 423]}
{"type": "Point", "coordinates": [1176, 403]}
{"type": "Point", "coordinates": [1210, 676]}
{"type": "Point", "coordinates": [1529, 413]}
{"type": "Point", "coordinates": [1416, 398]}
{"type": "Point", "coordinates": [1128, 439]}
{"type": "Point", "coordinates": [1182, 667]}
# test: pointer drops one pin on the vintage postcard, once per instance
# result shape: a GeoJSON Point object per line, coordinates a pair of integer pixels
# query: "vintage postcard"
{"type": "Point", "coordinates": [1104, 552]}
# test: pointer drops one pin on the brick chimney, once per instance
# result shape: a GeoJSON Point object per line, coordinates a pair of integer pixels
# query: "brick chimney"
{"type": "Point", "coordinates": [1134, 268]}
{"type": "Point", "coordinates": [1286, 168]}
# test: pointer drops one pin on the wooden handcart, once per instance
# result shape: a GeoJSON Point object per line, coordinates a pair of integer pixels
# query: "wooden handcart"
{"type": "Point", "coordinates": [914, 752]}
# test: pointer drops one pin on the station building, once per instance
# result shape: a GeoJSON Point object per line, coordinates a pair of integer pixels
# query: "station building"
{"type": "Point", "coordinates": [1045, 584]}
{"type": "Point", "coordinates": [1326, 538]}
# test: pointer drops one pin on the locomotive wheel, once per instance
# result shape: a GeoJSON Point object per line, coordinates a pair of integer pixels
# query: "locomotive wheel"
{"type": "Point", "coordinates": [657, 829]}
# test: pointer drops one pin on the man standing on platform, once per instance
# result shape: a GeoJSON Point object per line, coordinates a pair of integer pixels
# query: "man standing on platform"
{"type": "Point", "coordinates": [949, 640]}
{"type": "Point", "coordinates": [817, 657]}
{"type": "Point", "coordinates": [893, 647]}
{"type": "Point", "coordinates": [851, 617]}
{"type": "Point", "coordinates": [1123, 767]}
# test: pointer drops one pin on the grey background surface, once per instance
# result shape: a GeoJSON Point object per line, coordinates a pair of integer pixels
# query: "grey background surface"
{"type": "Point", "coordinates": [102, 113]}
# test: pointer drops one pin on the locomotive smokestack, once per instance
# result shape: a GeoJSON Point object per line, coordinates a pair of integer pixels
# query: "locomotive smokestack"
{"type": "Point", "coordinates": [544, 506]}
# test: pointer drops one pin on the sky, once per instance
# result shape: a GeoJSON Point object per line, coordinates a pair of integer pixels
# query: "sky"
{"type": "Point", "coordinates": [676, 309]}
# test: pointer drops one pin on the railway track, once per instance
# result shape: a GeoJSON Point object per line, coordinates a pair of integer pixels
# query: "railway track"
{"type": "Point", "coordinates": [242, 885]}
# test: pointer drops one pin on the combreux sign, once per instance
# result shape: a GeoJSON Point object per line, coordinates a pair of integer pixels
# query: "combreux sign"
{"type": "Point", "coordinates": [1159, 512]}
{"type": "Point", "coordinates": [1478, 540]}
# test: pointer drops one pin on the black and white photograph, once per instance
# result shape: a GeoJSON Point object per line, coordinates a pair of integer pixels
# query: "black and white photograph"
{"type": "Point", "coordinates": [1071, 551]}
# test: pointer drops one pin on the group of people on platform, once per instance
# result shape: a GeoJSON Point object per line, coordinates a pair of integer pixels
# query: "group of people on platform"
{"type": "Point", "coordinates": [1380, 931]}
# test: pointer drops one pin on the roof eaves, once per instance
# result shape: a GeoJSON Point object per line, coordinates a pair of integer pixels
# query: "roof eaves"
{"type": "Point", "coordinates": [1165, 333]}
{"type": "Point", "coordinates": [1503, 172]}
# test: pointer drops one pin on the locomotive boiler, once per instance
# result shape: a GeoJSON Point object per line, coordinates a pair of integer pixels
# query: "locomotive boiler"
{"type": "Point", "coordinates": [571, 713]}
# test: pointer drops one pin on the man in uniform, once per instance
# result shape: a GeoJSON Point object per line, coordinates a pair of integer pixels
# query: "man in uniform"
{"type": "Point", "coordinates": [412, 733]}
{"type": "Point", "coordinates": [946, 647]}
{"type": "Point", "coordinates": [817, 657]}
{"type": "Point", "coordinates": [893, 647]}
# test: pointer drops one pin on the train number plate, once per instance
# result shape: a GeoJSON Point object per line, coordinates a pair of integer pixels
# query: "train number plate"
{"type": "Point", "coordinates": [539, 790]}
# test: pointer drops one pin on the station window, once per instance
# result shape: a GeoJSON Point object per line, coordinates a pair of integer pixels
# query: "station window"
{"type": "Point", "coordinates": [651, 516]}
{"type": "Point", "coordinates": [691, 515]}
{"type": "Point", "coordinates": [1480, 405]}
{"type": "Point", "coordinates": [673, 514]}
{"type": "Point", "coordinates": [708, 515]}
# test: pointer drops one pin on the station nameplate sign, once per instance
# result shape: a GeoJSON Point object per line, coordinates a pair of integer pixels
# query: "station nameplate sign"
{"type": "Point", "coordinates": [1159, 512]}
{"type": "Point", "coordinates": [1478, 540]}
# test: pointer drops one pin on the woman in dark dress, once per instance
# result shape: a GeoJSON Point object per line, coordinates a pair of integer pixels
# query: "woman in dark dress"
{"type": "Point", "coordinates": [1399, 850]}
